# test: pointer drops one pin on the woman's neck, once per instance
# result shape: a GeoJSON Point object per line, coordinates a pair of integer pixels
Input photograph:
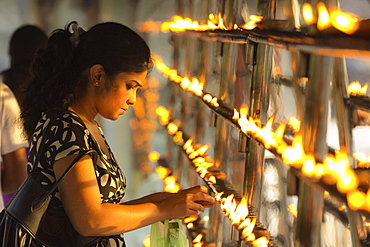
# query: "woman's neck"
{"type": "Point", "coordinates": [87, 116]}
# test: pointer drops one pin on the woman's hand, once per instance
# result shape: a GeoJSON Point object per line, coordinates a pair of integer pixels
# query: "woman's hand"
{"type": "Point", "coordinates": [186, 202]}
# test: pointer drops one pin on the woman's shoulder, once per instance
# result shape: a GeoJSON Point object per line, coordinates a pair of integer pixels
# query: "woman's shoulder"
{"type": "Point", "coordinates": [65, 117]}
{"type": "Point", "coordinates": [53, 121]}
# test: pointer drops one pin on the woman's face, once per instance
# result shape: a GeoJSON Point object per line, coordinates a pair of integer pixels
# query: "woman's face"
{"type": "Point", "coordinates": [113, 101]}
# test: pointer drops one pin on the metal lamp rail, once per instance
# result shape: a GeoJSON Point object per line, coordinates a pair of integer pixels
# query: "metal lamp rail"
{"type": "Point", "coordinates": [335, 44]}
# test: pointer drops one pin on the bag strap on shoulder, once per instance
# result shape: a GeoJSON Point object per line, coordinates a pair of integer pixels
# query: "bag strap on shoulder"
{"type": "Point", "coordinates": [38, 203]}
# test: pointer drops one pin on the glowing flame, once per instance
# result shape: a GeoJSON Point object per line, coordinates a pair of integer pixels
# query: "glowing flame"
{"type": "Point", "coordinates": [295, 123]}
{"type": "Point", "coordinates": [205, 218]}
{"type": "Point", "coordinates": [356, 199]}
{"type": "Point", "coordinates": [342, 21]}
{"type": "Point", "coordinates": [294, 154]}
{"type": "Point", "coordinates": [309, 164]}
{"type": "Point", "coordinates": [212, 179]}
{"type": "Point", "coordinates": [348, 181]}
{"type": "Point", "coordinates": [307, 13]}
{"type": "Point", "coordinates": [216, 22]}
{"type": "Point", "coordinates": [324, 18]}
{"type": "Point", "coordinates": [248, 230]}
{"type": "Point", "coordinates": [345, 22]}
{"type": "Point", "coordinates": [207, 98]}
{"type": "Point", "coordinates": [241, 212]}
{"type": "Point", "coordinates": [279, 138]}
{"type": "Point", "coordinates": [191, 218]}
{"type": "Point", "coordinates": [261, 242]}
{"type": "Point", "coordinates": [178, 137]}
{"type": "Point", "coordinates": [172, 128]}
{"type": "Point", "coordinates": [171, 185]}
{"type": "Point", "coordinates": [154, 156]}
{"type": "Point", "coordinates": [162, 171]}
{"type": "Point", "coordinates": [293, 209]}
{"type": "Point", "coordinates": [197, 240]}
{"type": "Point", "coordinates": [163, 114]}
{"type": "Point", "coordinates": [180, 24]}
{"type": "Point", "coordinates": [146, 241]}
{"type": "Point", "coordinates": [356, 89]}
{"type": "Point", "coordinates": [362, 159]}
{"type": "Point", "coordinates": [150, 26]}
{"type": "Point", "coordinates": [253, 20]}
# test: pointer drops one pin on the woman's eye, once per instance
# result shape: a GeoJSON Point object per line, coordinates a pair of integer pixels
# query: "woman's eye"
{"type": "Point", "coordinates": [128, 87]}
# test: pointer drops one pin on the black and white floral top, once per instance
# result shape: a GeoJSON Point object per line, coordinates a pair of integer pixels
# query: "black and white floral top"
{"type": "Point", "coordinates": [68, 135]}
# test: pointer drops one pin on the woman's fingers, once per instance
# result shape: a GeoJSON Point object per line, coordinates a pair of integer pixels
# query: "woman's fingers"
{"type": "Point", "coordinates": [196, 189]}
{"type": "Point", "coordinates": [189, 201]}
{"type": "Point", "coordinates": [204, 199]}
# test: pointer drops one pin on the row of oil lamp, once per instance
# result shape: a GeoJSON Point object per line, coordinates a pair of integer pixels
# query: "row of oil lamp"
{"type": "Point", "coordinates": [326, 18]}
{"type": "Point", "coordinates": [236, 211]}
{"type": "Point", "coordinates": [334, 169]}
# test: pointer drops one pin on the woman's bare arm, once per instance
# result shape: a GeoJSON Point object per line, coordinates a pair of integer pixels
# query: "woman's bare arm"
{"type": "Point", "coordinates": [81, 199]}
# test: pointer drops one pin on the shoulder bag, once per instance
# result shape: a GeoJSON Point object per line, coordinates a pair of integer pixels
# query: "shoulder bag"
{"type": "Point", "coordinates": [30, 203]}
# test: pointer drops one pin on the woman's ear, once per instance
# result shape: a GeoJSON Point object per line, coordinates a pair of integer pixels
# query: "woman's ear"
{"type": "Point", "coordinates": [96, 73]}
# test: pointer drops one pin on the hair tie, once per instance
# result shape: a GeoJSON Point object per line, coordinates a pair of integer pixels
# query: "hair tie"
{"type": "Point", "coordinates": [75, 36]}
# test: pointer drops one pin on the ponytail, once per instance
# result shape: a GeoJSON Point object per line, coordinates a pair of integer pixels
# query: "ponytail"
{"type": "Point", "coordinates": [54, 79]}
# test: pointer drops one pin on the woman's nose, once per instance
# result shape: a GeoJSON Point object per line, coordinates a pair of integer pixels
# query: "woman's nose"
{"type": "Point", "coordinates": [131, 99]}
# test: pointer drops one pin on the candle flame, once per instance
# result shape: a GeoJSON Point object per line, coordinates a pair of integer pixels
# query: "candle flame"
{"type": "Point", "coordinates": [293, 209]}
{"type": "Point", "coordinates": [324, 18]}
{"type": "Point", "coordinates": [172, 128]}
{"type": "Point", "coordinates": [253, 20]}
{"type": "Point", "coordinates": [295, 123]}
{"type": "Point", "coordinates": [197, 241]}
{"type": "Point", "coordinates": [162, 171]}
{"type": "Point", "coordinates": [198, 238]}
{"type": "Point", "coordinates": [212, 179]}
{"type": "Point", "coordinates": [188, 143]}
{"type": "Point", "coordinates": [309, 164]}
{"type": "Point", "coordinates": [207, 98]}
{"type": "Point", "coordinates": [171, 185]}
{"type": "Point", "coordinates": [146, 241]}
{"type": "Point", "coordinates": [356, 199]}
{"type": "Point", "coordinates": [191, 218]}
{"type": "Point", "coordinates": [241, 211]}
{"type": "Point", "coordinates": [345, 22]}
{"type": "Point", "coordinates": [248, 230]}
{"type": "Point", "coordinates": [180, 24]}
{"type": "Point", "coordinates": [307, 13]}
{"type": "Point", "coordinates": [178, 137]}
{"type": "Point", "coordinates": [261, 242]}
{"type": "Point", "coordinates": [294, 154]}
{"type": "Point", "coordinates": [154, 156]}
{"type": "Point", "coordinates": [163, 114]}
{"type": "Point", "coordinates": [356, 89]}
{"type": "Point", "coordinates": [362, 159]}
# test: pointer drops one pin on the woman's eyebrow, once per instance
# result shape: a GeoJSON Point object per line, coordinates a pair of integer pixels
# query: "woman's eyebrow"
{"type": "Point", "coordinates": [137, 83]}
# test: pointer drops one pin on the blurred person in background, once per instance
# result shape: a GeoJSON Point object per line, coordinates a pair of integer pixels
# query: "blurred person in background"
{"type": "Point", "coordinates": [23, 45]}
{"type": "Point", "coordinates": [13, 145]}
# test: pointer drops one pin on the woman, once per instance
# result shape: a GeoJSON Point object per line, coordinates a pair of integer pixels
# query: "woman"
{"type": "Point", "coordinates": [78, 76]}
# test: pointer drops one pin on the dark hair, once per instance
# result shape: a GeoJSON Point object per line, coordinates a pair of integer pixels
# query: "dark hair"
{"type": "Point", "coordinates": [24, 43]}
{"type": "Point", "coordinates": [59, 69]}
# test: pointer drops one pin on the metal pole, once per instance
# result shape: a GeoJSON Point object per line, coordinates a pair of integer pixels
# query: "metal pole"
{"type": "Point", "coordinates": [310, 202]}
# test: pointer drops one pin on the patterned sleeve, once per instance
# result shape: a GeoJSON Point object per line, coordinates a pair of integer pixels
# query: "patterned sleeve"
{"type": "Point", "coordinates": [68, 136]}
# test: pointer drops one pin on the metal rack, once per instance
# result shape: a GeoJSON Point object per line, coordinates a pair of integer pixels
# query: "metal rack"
{"type": "Point", "coordinates": [238, 67]}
